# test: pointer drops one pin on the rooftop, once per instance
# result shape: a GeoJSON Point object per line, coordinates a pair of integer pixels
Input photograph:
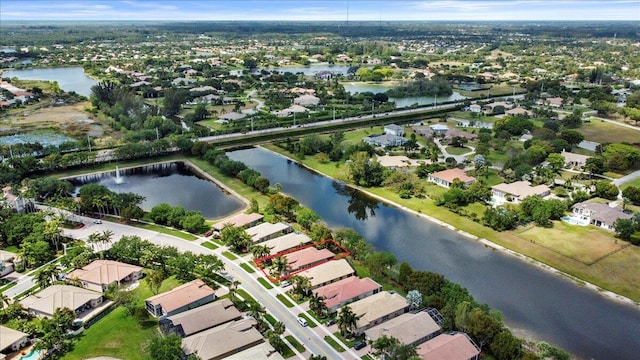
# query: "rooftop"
{"type": "Point", "coordinates": [452, 174]}
{"type": "Point", "coordinates": [409, 328]}
{"type": "Point", "coordinates": [104, 272]}
{"type": "Point", "coordinates": [182, 295]}
{"type": "Point", "coordinates": [377, 306]}
{"type": "Point", "coordinates": [9, 336]}
{"type": "Point", "coordinates": [262, 351]}
{"type": "Point", "coordinates": [448, 347]}
{"type": "Point", "coordinates": [260, 231]}
{"type": "Point", "coordinates": [239, 220]}
{"type": "Point", "coordinates": [286, 242]}
{"type": "Point", "coordinates": [205, 316]}
{"type": "Point", "coordinates": [328, 271]}
{"type": "Point", "coordinates": [346, 289]}
{"type": "Point", "coordinates": [521, 189]}
{"type": "Point", "coordinates": [224, 339]}
{"type": "Point", "coordinates": [305, 257]}
{"type": "Point", "coordinates": [59, 296]}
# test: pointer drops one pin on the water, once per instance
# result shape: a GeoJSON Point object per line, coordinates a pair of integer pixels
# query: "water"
{"type": "Point", "coordinates": [44, 138]}
{"type": "Point", "coordinates": [426, 100]}
{"type": "Point", "coordinates": [68, 78]}
{"type": "Point", "coordinates": [171, 183]}
{"type": "Point", "coordinates": [33, 355]}
{"type": "Point", "coordinates": [310, 70]}
{"type": "Point", "coordinates": [575, 221]}
{"type": "Point", "coordinates": [535, 302]}
{"type": "Point", "coordinates": [359, 87]}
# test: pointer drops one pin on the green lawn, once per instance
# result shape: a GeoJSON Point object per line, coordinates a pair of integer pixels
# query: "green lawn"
{"type": "Point", "coordinates": [311, 324]}
{"type": "Point", "coordinates": [165, 230]}
{"type": "Point", "coordinates": [457, 150]}
{"type": "Point", "coordinates": [245, 295]}
{"type": "Point", "coordinates": [210, 245]}
{"type": "Point", "coordinates": [265, 283]}
{"type": "Point", "coordinates": [248, 268]}
{"type": "Point", "coordinates": [284, 300]}
{"type": "Point", "coordinates": [295, 343]}
{"type": "Point", "coordinates": [270, 319]}
{"type": "Point", "coordinates": [333, 344]}
{"type": "Point", "coordinates": [229, 255]}
{"type": "Point", "coordinates": [635, 183]}
{"type": "Point", "coordinates": [604, 132]}
{"type": "Point", "coordinates": [287, 352]}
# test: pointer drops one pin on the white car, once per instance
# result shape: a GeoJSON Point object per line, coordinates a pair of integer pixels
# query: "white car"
{"type": "Point", "coordinates": [302, 321]}
{"type": "Point", "coordinates": [97, 221]}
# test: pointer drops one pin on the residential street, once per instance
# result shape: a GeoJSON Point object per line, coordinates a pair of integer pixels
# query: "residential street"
{"type": "Point", "coordinates": [312, 339]}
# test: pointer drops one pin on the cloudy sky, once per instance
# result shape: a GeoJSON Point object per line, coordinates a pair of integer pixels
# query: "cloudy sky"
{"type": "Point", "coordinates": [332, 10]}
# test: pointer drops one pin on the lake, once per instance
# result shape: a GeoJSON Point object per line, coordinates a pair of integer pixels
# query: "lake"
{"type": "Point", "coordinates": [310, 70]}
{"type": "Point", "coordinates": [68, 78]}
{"type": "Point", "coordinates": [172, 183]}
{"type": "Point", "coordinates": [534, 302]}
{"type": "Point", "coordinates": [46, 138]}
{"type": "Point", "coordinates": [359, 87]}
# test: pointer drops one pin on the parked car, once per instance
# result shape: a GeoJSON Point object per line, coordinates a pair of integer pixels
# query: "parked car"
{"type": "Point", "coordinates": [360, 344]}
{"type": "Point", "coordinates": [284, 283]}
{"type": "Point", "coordinates": [97, 221]}
{"type": "Point", "coordinates": [302, 321]}
{"type": "Point", "coordinates": [331, 322]}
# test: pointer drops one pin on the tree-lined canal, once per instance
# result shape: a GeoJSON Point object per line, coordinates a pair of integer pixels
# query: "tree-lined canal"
{"type": "Point", "coordinates": [546, 306]}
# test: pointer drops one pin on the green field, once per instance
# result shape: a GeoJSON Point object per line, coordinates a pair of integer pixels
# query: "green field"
{"type": "Point", "coordinates": [265, 283]}
{"type": "Point", "coordinates": [248, 268]}
{"type": "Point", "coordinates": [604, 132]}
{"type": "Point", "coordinates": [284, 300]}
{"type": "Point", "coordinates": [165, 230]}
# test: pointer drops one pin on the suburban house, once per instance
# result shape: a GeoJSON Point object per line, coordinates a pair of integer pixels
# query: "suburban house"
{"type": "Point", "coordinates": [572, 159]}
{"type": "Point", "coordinates": [306, 100]}
{"type": "Point", "coordinates": [347, 290]}
{"type": "Point", "coordinates": [267, 231]}
{"type": "Point", "coordinates": [184, 297]}
{"type": "Point", "coordinates": [328, 273]}
{"type": "Point", "coordinates": [262, 351]}
{"type": "Point", "coordinates": [223, 340]}
{"type": "Point", "coordinates": [385, 140]}
{"type": "Point", "coordinates": [517, 191]}
{"type": "Point", "coordinates": [393, 129]}
{"type": "Point", "coordinates": [201, 318]}
{"type": "Point", "coordinates": [399, 161]}
{"type": "Point", "coordinates": [7, 260]}
{"type": "Point", "coordinates": [518, 111]}
{"type": "Point", "coordinates": [286, 242]}
{"type": "Point", "coordinates": [11, 340]}
{"type": "Point", "coordinates": [555, 102]}
{"type": "Point", "coordinates": [231, 116]}
{"type": "Point", "coordinates": [446, 177]}
{"type": "Point", "coordinates": [291, 110]}
{"type": "Point", "coordinates": [456, 346]}
{"type": "Point", "coordinates": [241, 220]}
{"type": "Point", "coordinates": [439, 129]}
{"type": "Point", "coordinates": [475, 108]}
{"type": "Point", "coordinates": [378, 308]}
{"type": "Point", "coordinates": [100, 274]}
{"type": "Point", "coordinates": [408, 328]}
{"type": "Point", "coordinates": [45, 303]}
{"type": "Point", "coordinates": [490, 108]}
{"type": "Point", "coordinates": [307, 257]}
{"type": "Point", "coordinates": [600, 215]}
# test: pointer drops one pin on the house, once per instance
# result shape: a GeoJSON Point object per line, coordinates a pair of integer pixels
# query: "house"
{"type": "Point", "coordinates": [409, 328]}
{"type": "Point", "coordinates": [267, 231]}
{"type": "Point", "coordinates": [377, 308]}
{"type": "Point", "coordinates": [7, 261]}
{"type": "Point", "coordinates": [445, 178]}
{"type": "Point", "coordinates": [182, 81]}
{"type": "Point", "coordinates": [11, 340]}
{"type": "Point", "coordinates": [555, 102]}
{"type": "Point", "coordinates": [100, 274]}
{"type": "Point", "coordinates": [588, 145]}
{"type": "Point", "coordinates": [262, 351]}
{"type": "Point", "coordinates": [572, 159]}
{"type": "Point", "coordinates": [438, 129]}
{"type": "Point", "coordinates": [184, 297]}
{"type": "Point", "coordinates": [45, 303]}
{"type": "Point", "coordinates": [232, 116]}
{"type": "Point", "coordinates": [475, 108]}
{"type": "Point", "coordinates": [291, 110]}
{"type": "Point", "coordinates": [223, 340]}
{"type": "Point", "coordinates": [600, 215]}
{"type": "Point", "coordinates": [306, 258]}
{"type": "Point", "coordinates": [385, 140]}
{"type": "Point", "coordinates": [286, 242]}
{"type": "Point", "coordinates": [518, 111]}
{"type": "Point", "coordinates": [241, 220]}
{"type": "Point", "coordinates": [394, 129]}
{"type": "Point", "coordinates": [306, 100]}
{"type": "Point", "coordinates": [201, 318]}
{"type": "Point", "coordinates": [491, 108]}
{"type": "Point", "coordinates": [328, 273]}
{"type": "Point", "coordinates": [456, 346]}
{"type": "Point", "coordinates": [399, 161]}
{"type": "Point", "coordinates": [346, 290]}
{"type": "Point", "coordinates": [517, 191]}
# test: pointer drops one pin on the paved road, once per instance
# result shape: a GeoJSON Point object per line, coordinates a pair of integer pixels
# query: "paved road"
{"type": "Point", "coordinates": [312, 341]}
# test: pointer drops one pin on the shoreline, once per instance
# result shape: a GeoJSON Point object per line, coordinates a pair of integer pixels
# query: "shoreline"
{"type": "Point", "coordinates": [609, 295]}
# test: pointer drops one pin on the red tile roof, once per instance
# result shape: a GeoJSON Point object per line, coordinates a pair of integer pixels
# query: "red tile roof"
{"type": "Point", "coordinates": [452, 174]}
{"type": "Point", "coordinates": [182, 295]}
{"type": "Point", "coordinates": [345, 290]}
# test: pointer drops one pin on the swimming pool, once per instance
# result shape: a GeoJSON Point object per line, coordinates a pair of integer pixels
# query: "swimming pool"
{"type": "Point", "coordinates": [33, 355]}
{"type": "Point", "coordinates": [575, 221]}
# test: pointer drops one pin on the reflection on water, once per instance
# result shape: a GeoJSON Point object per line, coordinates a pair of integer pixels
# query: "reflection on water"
{"type": "Point", "coordinates": [360, 205]}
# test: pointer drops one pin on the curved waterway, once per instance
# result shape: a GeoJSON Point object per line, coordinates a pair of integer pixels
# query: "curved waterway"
{"type": "Point", "coordinates": [544, 306]}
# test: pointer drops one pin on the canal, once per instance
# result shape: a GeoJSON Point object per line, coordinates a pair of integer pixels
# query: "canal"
{"type": "Point", "coordinates": [536, 303]}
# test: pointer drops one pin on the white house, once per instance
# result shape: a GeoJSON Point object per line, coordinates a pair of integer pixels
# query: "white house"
{"type": "Point", "coordinates": [600, 215]}
{"type": "Point", "coordinates": [393, 129]}
{"type": "Point", "coordinates": [517, 191]}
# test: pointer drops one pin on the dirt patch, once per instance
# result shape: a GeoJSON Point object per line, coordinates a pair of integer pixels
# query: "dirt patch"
{"type": "Point", "coordinates": [69, 119]}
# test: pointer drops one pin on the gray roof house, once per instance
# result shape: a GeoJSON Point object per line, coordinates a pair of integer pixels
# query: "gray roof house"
{"type": "Point", "coordinates": [201, 318]}
{"type": "Point", "coordinates": [11, 340]}
{"type": "Point", "coordinates": [600, 215]}
{"type": "Point", "coordinates": [408, 328]}
{"type": "Point", "coordinates": [385, 140]}
{"type": "Point", "coordinates": [224, 340]}
{"type": "Point", "coordinates": [393, 129]}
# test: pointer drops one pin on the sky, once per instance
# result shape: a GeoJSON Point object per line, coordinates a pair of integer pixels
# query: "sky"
{"type": "Point", "coordinates": [329, 10]}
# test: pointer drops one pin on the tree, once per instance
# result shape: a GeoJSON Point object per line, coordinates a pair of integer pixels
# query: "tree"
{"type": "Point", "coordinates": [317, 305]}
{"type": "Point", "coordinates": [572, 137]}
{"type": "Point", "coordinates": [414, 298]}
{"type": "Point", "coordinates": [482, 326]}
{"type": "Point", "coordinates": [606, 189]}
{"type": "Point", "coordinates": [306, 217]}
{"type": "Point", "coordinates": [364, 171]}
{"type": "Point", "coordinates": [278, 266]}
{"type": "Point", "coordinates": [404, 271]}
{"type": "Point", "coordinates": [46, 276]}
{"type": "Point", "coordinates": [235, 237]}
{"type": "Point", "coordinates": [301, 284]}
{"type": "Point", "coordinates": [173, 100]}
{"type": "Point", "coordinates": [379, 260]}
{"type": "Point", "coordinates": [259, 251]}
{"type": "Point", "coordinates": [282, 204]}
{"type": "Point", "coordinates": [167, 347]}
{"type": "Point", "coordinates": [347, 320]}
{"type": "Point", "coordinates": [595, 165]}
{"type": "Point", "coordinates": [556, 161]}
{"type": "Point", "coordinates": [155, 278]}
{"type": "Point", "coordinates": [505, 346]}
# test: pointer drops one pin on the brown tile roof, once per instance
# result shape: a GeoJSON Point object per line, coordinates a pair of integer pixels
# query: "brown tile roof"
{"type": "Point", "coordinates": [286, 242]}
{"type": "Point", "coordinates": [182, 295]}
{"type": "Point", "coordinates": [603, 213]}
{"type": "Point", "coordinates": [305, 257]}
{"type": "Point", "coordinates": [239, 220]}
{"type": "Point", "coordinates": [10, 336]}
{"type": "Point", "coordinates": [521, 189]}
{"type": "Point", "coordinates": [377, 306]}
{"type": "Point", "coordinates": [223, 340]}
{"type": "Point", "coordinates": [104, 272]}
{"type": "Point", "coordinates": [448, 347]}
{"type": "Point", "coordinates": [205, 316]}
{"type": "Point", "coordinates": [346, 289]}
{"type": "Point", "coordinates": [409, 328]}
{"type": "Point", "coordinates": [59, 296]}
{"type": "Point", "coordinates": [328, 271]}
{"type": "Point", "coordinates": [452, 174]}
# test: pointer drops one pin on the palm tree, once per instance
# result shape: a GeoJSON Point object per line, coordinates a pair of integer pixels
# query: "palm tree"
{"type": "Point", "coordinates": [260, 251]}
{"type": "Point", "coordinates": [301, 284]}
{"type": "Point", "coordinates": [44, 276]}
{"type": "Point", "coordinates": [317, 305]}
{"type": "Point", "coordinates": [317, 357]}
{"type": "Point", "coordinates": [279, 266]}
{"type": "Point", "coordinates": [278, 328]}
{"type": "Point", "coordinates": [233, 288]}
{"type": "Point", "coordinates": [5, 300]}
{"type": "Point", "coordinates": [347, 320]}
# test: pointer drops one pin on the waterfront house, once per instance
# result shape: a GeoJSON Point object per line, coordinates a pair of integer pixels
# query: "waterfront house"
{"type": "Point", "coordinates": [100, 274]}
{"type": "Point", "coordinates": [409, 328]}
{"type": "Point", "coordinates": [385, 140]}
{"type": "Point", "coordinates": [399, 161]}
{"type": "Point", "coordinates": [45, 302]}
{"type": "Point", "coordinates": [600, 215]}
{"type": "Point", "coordinates": [201, 318]}
{"type": "Point", "coordinates": [241, 220]}
{"type": "Point", "coordinates": [446, 178]}
{"type": "Point", "coordinates": [267, 231]}
{"type": "Point", "coordinates": [286, 242]}
{"type": "Point", "coordinates": [475, 108]}
{"type": "Point", "coordinates": [347, 290]}
{"type": "Point", "coordinates": [184, 297]}
{"type": "Point", "coordinates": [378, 308]}
{"type": "Point", "coordinates": [328, 273]}
{"type": "Point", "coordinates": [439, 129]}
{"type": "Point", "coordinates": [517, 191]}
{"type": "Point", "coordinates": [262, 351]}
{"type": "Point", "coordinates": [306, 258]}
{"type": "Point", "coordinates": [456, 346]}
